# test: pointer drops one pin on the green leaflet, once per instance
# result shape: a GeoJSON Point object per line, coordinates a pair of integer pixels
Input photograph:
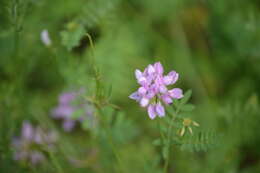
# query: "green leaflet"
{"type": "Point", "coordinates": [71, 38]}
{"type": "Point", "coordinates": [200, 141]}
{"type": "Point", "coordinates": [186, 97]}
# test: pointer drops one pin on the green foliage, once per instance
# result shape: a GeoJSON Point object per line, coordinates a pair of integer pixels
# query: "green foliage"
{"type": "Point", "coordinates": [97, 12]}
{"type": "Point", "coordinates": [213, 45]}
{"type": "Point", "coordinates": [71, 37]}
{"type": "Point", "coordinates": [187, 107]}
{"type": "Point", "coordinates": [180, 105]}
{"type": "Point", "coordinates": [185, 98]}
{"type": "Point", "coordinates": [199, 141]}
{"type": "Point", "coordinates": [122, 126]}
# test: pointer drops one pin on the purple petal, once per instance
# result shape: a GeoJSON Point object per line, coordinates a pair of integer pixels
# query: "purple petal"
{"type": "Point", "coordinates": [149, 79]}
{"type": "Point", "coordinates": [160, 109]}
{"type": "Point", "coordinates": [135, 96]}
{"type": "Point", "coordinates": [66, 98]}
{"type": "Point", "coordinates": [142, 91]}
{"type": "Point", "coordinates": [167, 80]}
{"type": "Point", "coordinates": [158, 68]}
{"type": "Point", "coordinates": [163, 89]}
{"type": "Point", "coordinates": [63, 111]}
{"type": "Point", "coordinates": [150, 69]}
{"type": "Point", "coordinates": [144, 102]}
{"type": "Point", "coordinates": [68, 125]}
{"type": "Point", "coordinates": [159, 80]}
{"type": "Point", "coordinates": [138, 74]}
{"type": "Point", "coordinates": [142, 81]}
{"type": "Point", "coordinates": [150, 94]}
{"type": "Point", "coordinates": [140, 77]}
{"type": "Point", "coordinates": [171, 78]}
{"type": "Point", "coordinates": [166, 99]}
{"type": "Point", "coordinates": [176, 93]}
{"type": "Point", "coordinates": [27, 131]}
{"type": "Point", "coordinates": [151, 111]}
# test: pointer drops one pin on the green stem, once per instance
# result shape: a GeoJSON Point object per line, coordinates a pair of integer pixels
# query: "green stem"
{"type": "Point", "coordinates": [111, 141]}
{"type": "Point", "coordinates": [95, 69]}
{"type": "Point", "coordinates": [168, 143]}
{"type": "Point", "coordinates": [161, 133]}
{"type": "Point", "coordinates": [91, 45]}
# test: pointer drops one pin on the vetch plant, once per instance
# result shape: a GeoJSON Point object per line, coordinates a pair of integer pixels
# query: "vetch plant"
{"type": "Point", "coordinates": [153, 94]}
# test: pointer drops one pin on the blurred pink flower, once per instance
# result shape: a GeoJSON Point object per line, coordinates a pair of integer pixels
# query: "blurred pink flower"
{"type": "Point", "coordinates": [71, 103]}
{"type": "Point", "coordinates": [32, 142]}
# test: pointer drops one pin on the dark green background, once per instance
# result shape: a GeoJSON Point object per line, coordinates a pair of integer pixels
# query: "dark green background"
{"type": "Point", "coordinates": [213, 44]}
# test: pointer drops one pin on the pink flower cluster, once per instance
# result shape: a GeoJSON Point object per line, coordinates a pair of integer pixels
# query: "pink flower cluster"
{"type": "Point", "coordinates": [153, 89]}
{"type": "Point", "coordinates": [71, 103]}
{"type": "Point", "coordinates": [33, 143]}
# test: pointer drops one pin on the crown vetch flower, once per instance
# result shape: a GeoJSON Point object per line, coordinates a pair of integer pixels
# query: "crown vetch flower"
{"type": "Point", "coordinates": [32, 143]}
{"type": "Point", "coordinates": [71, 103]}
{"type": "Point", "coordinates": [153, 89]}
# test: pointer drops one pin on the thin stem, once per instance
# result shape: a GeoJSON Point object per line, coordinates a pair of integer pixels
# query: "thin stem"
{"type": "Point", "coordinates": [95, 69]}
{"type": "Point", "coordinates": [91, 45]}
{"type": "Point", "coordinates": [168, 142]}
{"type": "Point", "coordinates": [111, 141]}
{"type": "Point", "coordinates": [92, 53]}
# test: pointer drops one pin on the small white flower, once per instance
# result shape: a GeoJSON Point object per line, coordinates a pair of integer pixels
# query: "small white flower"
{"type": "Point", "coordinates": [45, 37]}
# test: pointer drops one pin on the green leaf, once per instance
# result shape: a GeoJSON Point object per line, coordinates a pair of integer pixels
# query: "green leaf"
{"type": "Point", "coordinates": [157, 142]}
{"type": "Point", "coordinates": [109, 91]}
{"type": "Point", "coordinates": [123, 126]}
{"type": "Point", "coordinates": [187, 107]}
{"type": "Point", "coordinates": [164, 129]}
{"type": "Point", "coordinates": [200, 141]}
{"type": "Point", "coordinates": [165, 152]}
{"type": "Point", "coordinates": [176, 103]}
{"type": "Point", "coordinates": [71, 37]}
{"type": "Point", "coordinates": [186, 97]}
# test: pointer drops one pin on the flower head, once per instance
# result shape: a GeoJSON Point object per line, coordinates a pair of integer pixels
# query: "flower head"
{"type": "Point", "coordinates": [32, 143]}
{"type": "Point", "coordinates": [73, 109]}
{"type": "Point", "coordinates": [187, 124]}
{"type": "Point", "coordinates": [153, 89]}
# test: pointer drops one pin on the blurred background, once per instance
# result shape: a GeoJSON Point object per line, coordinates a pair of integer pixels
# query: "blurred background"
{"type": "Point", "coordinates": [213, 45]}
